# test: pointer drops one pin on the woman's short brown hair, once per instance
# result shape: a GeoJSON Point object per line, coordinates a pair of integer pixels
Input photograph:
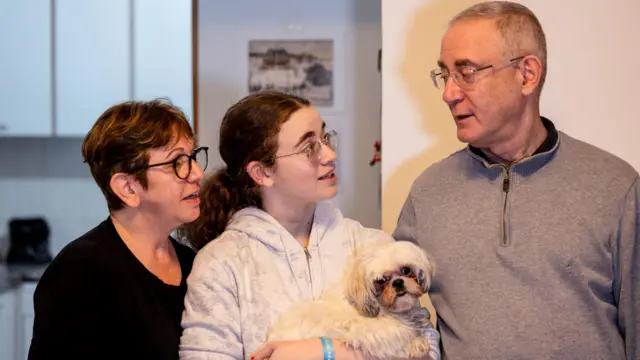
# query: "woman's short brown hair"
{"type": "Point", "coordinates": [120, 140]}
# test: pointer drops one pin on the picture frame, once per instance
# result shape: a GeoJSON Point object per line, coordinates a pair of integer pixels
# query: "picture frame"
{"type": "Point", "coordinates": [303, 67]}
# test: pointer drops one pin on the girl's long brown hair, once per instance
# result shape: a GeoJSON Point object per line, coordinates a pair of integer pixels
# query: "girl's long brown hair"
{"type": "Point", "coordinates": [249, 132]}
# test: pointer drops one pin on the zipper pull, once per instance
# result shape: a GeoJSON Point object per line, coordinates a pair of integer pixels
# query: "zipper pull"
{"type": "Point", "coordinates": [507, 178]}
{"type": "Point", "coordinates": [307, 254]}
{"type": "Point", "coordinates": [505, 183]}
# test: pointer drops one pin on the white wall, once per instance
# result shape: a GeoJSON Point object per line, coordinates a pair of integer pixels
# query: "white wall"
{"type": "Point", "coordinates": [46, 177]}
{"type": "Point", "coordinates": [591, 92]}
{"type": "Point", "coordinates": [225, 29]}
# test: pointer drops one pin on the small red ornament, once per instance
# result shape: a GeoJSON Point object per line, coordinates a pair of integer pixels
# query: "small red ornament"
{"type": "Point", "coordinates": [376, 154]}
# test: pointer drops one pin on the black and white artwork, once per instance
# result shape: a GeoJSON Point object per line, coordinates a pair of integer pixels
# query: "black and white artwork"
{"type": "Point", "coordinates": [299, 67]}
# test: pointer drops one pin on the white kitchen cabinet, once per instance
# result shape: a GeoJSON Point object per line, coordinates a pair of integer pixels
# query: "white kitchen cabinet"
{"type": "Point", "coordinates": [162, 52]}
{"type": "Point", "coordinates": [63, 66]}
{"type": "Point", "coordinates": [24, 319]}
{"type": "Point", "coordinates": [92, 61]}
{"type": "Point", "coordinates": [25, 68]}
{"type": "Point", "coordinates": [7, 324]}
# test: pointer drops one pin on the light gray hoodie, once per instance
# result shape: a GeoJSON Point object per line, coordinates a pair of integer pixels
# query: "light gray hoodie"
{"type": "Point", "coordinates": [245, 279]}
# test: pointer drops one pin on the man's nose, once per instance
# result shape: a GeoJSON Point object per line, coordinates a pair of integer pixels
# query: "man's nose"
{"type": "Point", "coordinates": [452, 93]}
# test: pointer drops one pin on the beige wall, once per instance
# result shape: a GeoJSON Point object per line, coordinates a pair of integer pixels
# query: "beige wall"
{"type": "Point", "coordinates": [416, 127]}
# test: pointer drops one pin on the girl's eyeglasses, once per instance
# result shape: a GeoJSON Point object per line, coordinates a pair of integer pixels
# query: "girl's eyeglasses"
{"type": "Point", "coordinates": [313, 149]}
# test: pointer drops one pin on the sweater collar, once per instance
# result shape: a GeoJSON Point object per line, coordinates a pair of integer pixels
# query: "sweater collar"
{"type": "Point", "coordinates": [542, 154]}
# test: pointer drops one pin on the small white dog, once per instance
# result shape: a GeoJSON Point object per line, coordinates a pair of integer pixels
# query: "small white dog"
{"type": "Point", "coordinates": [375, 308]}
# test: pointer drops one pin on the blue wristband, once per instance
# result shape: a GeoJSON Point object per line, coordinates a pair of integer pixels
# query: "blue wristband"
{"type": "Point", "coordinates": [327, 348]}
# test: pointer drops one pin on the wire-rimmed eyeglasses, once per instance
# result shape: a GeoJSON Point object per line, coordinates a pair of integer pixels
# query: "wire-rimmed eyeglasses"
{"type": "Point", "coordinates": [313, 149]}
{"type": "Point", "coordinates": [183, 164]}
{"type": "Point", "coordinates": [467, 76]}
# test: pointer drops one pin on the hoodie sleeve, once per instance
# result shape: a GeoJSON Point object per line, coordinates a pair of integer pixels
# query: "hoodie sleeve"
{"type": "Point", "coordinates": [406, 226]}
{"type": "Point", "coordinates": [211, 318]}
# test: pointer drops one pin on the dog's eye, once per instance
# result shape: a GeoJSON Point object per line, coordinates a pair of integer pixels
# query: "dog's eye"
{"type": "Point", "coordinates": [381, 281]}
{"type": "Point", "coordinates": [405, 270]}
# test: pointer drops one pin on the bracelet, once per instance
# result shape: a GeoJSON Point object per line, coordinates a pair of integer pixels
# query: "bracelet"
{"type": "Point", "coordinates": [327, 348]}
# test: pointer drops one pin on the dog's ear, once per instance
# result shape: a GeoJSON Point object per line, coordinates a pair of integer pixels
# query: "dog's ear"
{"type": "Point", "coordinates": [425, 274]}
{"type": "Point", "coordinates": [359, 292]}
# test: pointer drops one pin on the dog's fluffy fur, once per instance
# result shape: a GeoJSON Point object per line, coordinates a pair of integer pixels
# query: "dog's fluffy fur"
{"type": "Point", "coordinates": [374, 308]}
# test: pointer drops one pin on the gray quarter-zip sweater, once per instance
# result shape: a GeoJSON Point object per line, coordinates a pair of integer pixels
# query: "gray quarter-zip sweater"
{"type": "Point", "coordinates": [539, 260]}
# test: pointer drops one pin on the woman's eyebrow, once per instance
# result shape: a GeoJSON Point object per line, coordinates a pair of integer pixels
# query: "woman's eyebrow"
{"type": "Point", "coordinates": [174, 151]}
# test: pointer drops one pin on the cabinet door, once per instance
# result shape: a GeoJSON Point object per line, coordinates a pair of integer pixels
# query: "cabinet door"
{"type": "Point", "coordinates": [25, 315]}
{"type": "Point", "coordinates": [7, 324]}
{"type": "Point", "coordinates": [162, 52]}
{"type": "Point", "coordinates": [92, 61]}
{"type": "Point", "coordinates": [25, 68]}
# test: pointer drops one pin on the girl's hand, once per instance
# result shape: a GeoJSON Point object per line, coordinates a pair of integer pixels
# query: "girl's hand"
{"type": "Point", "coordinates": [310, 349]}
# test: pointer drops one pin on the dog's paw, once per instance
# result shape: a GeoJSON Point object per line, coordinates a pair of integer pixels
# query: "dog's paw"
{"type": "Point", "coordinates": [419, 347]}
{"type": "Point", "coordinates": [354, 344]}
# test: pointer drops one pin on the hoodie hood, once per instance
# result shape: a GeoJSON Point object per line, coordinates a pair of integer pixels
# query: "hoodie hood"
{"type": "Point", "coordinates": [259, 225]}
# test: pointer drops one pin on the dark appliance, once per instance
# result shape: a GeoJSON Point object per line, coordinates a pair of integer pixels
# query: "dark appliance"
{"type": "Point", "coordinates": [28, 242]}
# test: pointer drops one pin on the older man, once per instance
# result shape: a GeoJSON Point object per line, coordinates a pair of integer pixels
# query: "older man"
{"type": "Point", "coordinates": [535, 233]}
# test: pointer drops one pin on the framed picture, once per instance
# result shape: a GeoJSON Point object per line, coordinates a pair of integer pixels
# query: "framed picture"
{"type": "Point", "coordinates": [299, 67]}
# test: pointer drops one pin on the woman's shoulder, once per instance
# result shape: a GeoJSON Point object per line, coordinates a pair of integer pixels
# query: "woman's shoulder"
{"type": "Point", "coordinates": [84, 261]}
{"type": "Point", "coordinates": [89, 249]}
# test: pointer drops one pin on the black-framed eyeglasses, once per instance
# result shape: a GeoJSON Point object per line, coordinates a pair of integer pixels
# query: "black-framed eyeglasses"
{"type": "Point", "coordinates": [183, 164]}
{"type": "Point", "coordinates": [466, 77]}
{"type": "Point", "coordinates": [313, 149]}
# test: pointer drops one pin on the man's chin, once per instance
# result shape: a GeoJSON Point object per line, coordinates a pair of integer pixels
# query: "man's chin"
{"type": "Point", "coordinates": [467, 136]}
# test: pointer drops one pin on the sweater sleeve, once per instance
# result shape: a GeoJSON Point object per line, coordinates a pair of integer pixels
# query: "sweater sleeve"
{"type": "Point", "coordinates": [68, 310]}
{"type": "Point", "coordinates": [211, 318]}
{"type": "Point", "coordinates": [406, 226]}
{"type": "Point", "coordinates": [627, 281]}
{"type": "Point", "coordinates": [405, 231]}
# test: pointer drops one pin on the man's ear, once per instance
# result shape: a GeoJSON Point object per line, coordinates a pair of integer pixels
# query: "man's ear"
{"type": "Point", "coordinates": [127, 188]}
{"type": "Point", "coordinates": [261, 174]}
{"type": "Point", "coordinates": [531, 69]}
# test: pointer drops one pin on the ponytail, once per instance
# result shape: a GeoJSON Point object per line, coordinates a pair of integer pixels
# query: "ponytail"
{"type": "Point", "coordinates": [221, 196]}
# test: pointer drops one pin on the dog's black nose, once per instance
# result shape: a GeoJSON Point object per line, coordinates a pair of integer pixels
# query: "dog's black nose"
{"type": "Point", "coordinates": [398, 283]}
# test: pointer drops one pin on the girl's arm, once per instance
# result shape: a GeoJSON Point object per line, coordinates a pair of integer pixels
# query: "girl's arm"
{"type": "Point", "coordinates": [211, 318]}
{"type": "Point", "coordinates": [310, 349]}
{"type": "Point", "coordinates": [313, 349]}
